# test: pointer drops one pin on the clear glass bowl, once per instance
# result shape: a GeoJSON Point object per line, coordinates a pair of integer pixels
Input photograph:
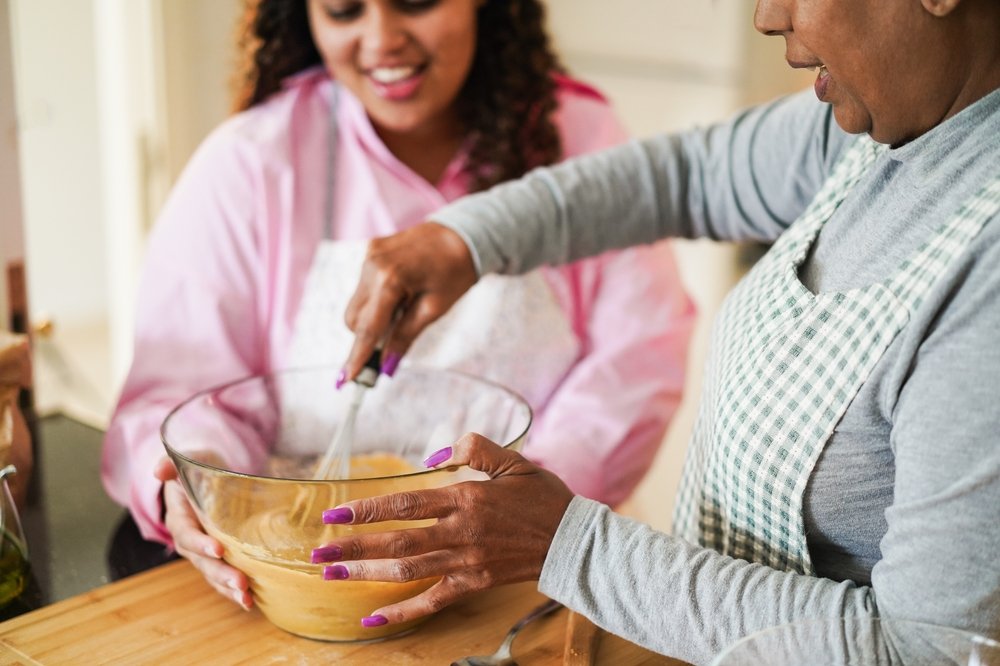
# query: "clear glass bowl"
{"type": "Point", "coordinates": [263, 505]}
{"type": "Point", "coordinates": [861, 641]}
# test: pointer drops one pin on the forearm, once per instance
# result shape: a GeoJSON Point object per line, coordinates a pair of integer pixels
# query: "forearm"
{"type": "Point", "coordinates": [748, 178]}
{"type": "Point", "coordinates": [675, 598]}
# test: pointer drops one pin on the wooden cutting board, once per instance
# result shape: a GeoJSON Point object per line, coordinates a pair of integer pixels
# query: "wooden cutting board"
{"type": "Point", "coordinates": [171, 616]}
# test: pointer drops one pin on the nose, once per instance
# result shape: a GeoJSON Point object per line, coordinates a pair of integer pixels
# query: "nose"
{"type": "Point", "coordinates": [384, 30]}
{"type": "Point", "coordinates": [772, 17]}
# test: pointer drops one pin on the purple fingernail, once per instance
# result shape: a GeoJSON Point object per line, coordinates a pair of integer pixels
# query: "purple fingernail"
{"type": "Point", "coordinates": [339, 516]}
{"type": "Point", "coordinates": [374, 621]}
{"type": "Point", "coordinates": [341, 379]}
{"type": "Point", "coordinates": [336, 572]}
{"type": "Point", "coordinates": [390, 364]}
{"type": "Point", "coordinates": [438, 457]}
{"type": "Point", "coordinates": [326, 554]}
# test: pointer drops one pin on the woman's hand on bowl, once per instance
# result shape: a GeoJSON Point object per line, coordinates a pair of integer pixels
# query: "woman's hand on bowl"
{"type": "Point", "coordinates": [488, 533]}
{"type": "Point", "coordinates": [193, 543]}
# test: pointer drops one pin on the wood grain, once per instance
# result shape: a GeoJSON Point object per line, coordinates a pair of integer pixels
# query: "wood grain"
{"type": "Point", "coordinates": [171, 616]}
{"type": "Point", "coordinates": [582, 638]}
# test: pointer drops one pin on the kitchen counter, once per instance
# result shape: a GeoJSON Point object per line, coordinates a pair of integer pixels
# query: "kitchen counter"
{"type": "Point", "coordinates": [170, 615]}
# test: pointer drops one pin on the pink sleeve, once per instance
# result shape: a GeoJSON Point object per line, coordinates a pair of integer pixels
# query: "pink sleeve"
{"type": "Point", "coordinates": [197, 322]}
{"type": "Point", "coordinates": [602, 427]}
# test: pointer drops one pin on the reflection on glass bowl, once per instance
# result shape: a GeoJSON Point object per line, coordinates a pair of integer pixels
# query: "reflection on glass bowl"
{"type": "Point", "coordinates": [262, 504]}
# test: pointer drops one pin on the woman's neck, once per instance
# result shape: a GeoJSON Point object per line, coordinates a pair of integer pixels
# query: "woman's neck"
{"type": "Point", "coordinates": [428, 152]}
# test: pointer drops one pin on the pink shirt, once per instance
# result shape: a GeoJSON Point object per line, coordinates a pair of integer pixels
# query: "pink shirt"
{"type": "Point", "coordinates": [227, 261]}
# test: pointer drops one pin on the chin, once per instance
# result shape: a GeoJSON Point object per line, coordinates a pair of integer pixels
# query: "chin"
{"type": "Point", "coordinates": [853, 122]}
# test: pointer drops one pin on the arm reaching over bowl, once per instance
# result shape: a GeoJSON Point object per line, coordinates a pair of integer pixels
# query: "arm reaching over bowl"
{"type": "Point", "coordinates": [487, 533]}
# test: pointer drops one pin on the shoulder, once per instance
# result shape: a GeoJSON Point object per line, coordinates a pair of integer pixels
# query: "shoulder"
{"type": "Point", "coordinates": [585, 117]}
{"type": "Point", "coordinates": [269, 131]}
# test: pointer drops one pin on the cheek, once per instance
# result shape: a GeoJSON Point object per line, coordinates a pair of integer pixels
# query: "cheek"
{"type": "Point", "coordinates": [456, 52]}
{"type": "Point", "coordinates": [337, 53]}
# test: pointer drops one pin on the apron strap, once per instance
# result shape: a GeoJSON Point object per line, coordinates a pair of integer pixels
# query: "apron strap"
{"type": "Point", "coordinates": [331, 162]}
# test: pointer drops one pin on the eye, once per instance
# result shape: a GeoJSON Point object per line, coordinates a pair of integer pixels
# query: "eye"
{"type": "Point", "coordinates": [343, 11]}
{"type": "Point", "coordinates": [416, 6]}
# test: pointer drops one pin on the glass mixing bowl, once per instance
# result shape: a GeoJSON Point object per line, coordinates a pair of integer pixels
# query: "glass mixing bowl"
{"type": "Point", "coordinates": [246, 453]}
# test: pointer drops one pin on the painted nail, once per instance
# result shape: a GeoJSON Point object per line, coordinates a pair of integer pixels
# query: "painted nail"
{"type": "Point", "coordinates": [390, 364]}
{"type": "Point", "coordinates": [326, 554]}
{"type": "Point", "coordinates": [336, 572]}
{"type": "Point", "coordinates": [341, 379]}
{"type": "Point", "coordinates": [339, 516]}
{"type": "Point", "coordinates": [374, 621]}
{"type": "Point", "coordinates": [438, 457]}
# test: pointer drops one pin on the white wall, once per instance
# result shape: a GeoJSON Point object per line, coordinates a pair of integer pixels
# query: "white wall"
{"type": "Point", "coordinates": [11, 231]}
{"type": "Point", "coordinates": [54, 60]}
{"type": "Point", "coordinates": [113, 97]}
{"type": "Point", "coordinates": [199, 58]}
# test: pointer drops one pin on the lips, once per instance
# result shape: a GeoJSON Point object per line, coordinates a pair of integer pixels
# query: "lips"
{"type": "Point", "coordinates": [397, 82]}
{"type": "Point", "coordinates": [822, 83]}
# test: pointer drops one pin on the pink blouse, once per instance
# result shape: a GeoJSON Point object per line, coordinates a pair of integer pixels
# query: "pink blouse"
{"type": "Point", "coordinates": [227, 261]}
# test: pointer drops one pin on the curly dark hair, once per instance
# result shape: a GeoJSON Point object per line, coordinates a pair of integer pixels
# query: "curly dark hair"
{"type": "Point", "coordinates": [506, 103]}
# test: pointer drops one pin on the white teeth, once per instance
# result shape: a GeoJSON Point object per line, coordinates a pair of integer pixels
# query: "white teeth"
{"type": "Point", "coordinates": [822, 70]}
{"type": "Point", "coordinates": [392, 74]}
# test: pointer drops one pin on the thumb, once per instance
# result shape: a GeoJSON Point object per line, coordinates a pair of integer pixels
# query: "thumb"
{"type": "Point", "coordinates": [483, 455]}
{"type": "Point", "coordinates": [165, 470]}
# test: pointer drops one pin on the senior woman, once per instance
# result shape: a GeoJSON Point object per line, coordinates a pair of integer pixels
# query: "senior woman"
{"type": "Point", "coordinates": [845, 460]}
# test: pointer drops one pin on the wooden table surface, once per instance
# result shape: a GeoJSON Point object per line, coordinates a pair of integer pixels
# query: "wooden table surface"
{"type": "Point", "coordinates": [171, 616]}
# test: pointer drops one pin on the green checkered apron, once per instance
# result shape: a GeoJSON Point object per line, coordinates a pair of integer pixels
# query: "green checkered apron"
{"type": "Point", "coordinates": [785, 365]}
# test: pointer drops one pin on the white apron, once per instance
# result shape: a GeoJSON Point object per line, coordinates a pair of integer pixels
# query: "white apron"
{"type": "Point", "coordinates": [510, 330]}
{"type": "Point", "coordinates": [785, 365]}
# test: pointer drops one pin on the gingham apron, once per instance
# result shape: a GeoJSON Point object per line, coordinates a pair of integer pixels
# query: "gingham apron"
{"type": "Point", "coordinates": [510, 330]}
{"type": "Point", "coordinates": [785, 365]}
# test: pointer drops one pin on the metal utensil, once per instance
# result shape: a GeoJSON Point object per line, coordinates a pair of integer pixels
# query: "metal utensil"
{"type": "Point", "coordinates": [336, 461]}
{"type": "Point", "coordinates": [502, 657]}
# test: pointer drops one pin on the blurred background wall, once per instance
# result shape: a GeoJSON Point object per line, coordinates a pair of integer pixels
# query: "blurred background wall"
{"type": "Point", "coordinates": [114, 95]}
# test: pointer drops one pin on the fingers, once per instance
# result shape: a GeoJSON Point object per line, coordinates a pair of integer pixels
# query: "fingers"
{"type": "Point", "coordinates": [483, 455]}
{"type": "Point", "coordinates": [418, 314]}
{"type": "Point", "coordinates": [203, 551]}
{"type": "Point", "coordinates": [382, 545]}
{"type": "Point", "coordinates": [445, 592]}
{"type": "Point", "coordinates": [370, 316]}
{"type": "Point", "coordinates": [408, 280]}
{"type": "Point", "coordinates": [165, 470]}
{"type": "Point", "coordinates": [413, 505]}
{"type": "Point", "coordinates": [402, 570]}
{"type": "Point", "coordinates": [380, 294]}
{"type": "Point", "coordinates": [471, 449]}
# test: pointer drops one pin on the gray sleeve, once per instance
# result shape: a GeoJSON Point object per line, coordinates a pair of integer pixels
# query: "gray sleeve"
{"type": "Point", "coordinates": [940, 551]}
{"type": "Point", "coordinates": [746, 179]}
{"type": "Point", "coordinates": [675, 598]}
{"type": "Point", "coordinates": [939, 554]}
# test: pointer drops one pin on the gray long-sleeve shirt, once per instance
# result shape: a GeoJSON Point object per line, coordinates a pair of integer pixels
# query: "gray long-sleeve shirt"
{"type": "Point", "coordinates": [902, 511]}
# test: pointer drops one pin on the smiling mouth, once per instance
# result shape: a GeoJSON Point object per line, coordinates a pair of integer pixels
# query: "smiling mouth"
{"type": "Point", "coordinates": [397, 83]}
{"type": "Point", "coordinates": [391, 75]}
